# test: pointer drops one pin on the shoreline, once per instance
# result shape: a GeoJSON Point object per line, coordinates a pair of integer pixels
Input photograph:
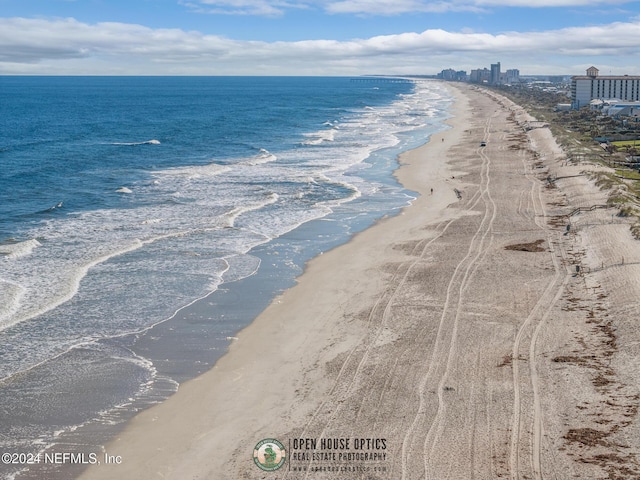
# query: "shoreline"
{"type": "Point", "coordinates": [248, 339]}
{"type": "Point", "coordinates": [456, 341]}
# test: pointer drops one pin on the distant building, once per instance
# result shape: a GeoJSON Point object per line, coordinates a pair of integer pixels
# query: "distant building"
{"type": "Point", "coordinates": [480, 76]}
{"type": "Point", "coordinates": [557, 79]}
{"type": "Point", "coordinates": [483, 75]}
{"type": "Point", "coordinates": [512, 76]}
{"type": "Point", "coordinates": [585, 88]}
{"type": "Point", "coordinates": [453, 75]}
{"type": "Point", "coordinates": [621, 109]}
{"type": "Point", "coordinates": [495, 74]}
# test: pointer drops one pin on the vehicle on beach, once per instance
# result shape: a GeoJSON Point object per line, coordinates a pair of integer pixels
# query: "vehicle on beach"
{"type": "Point", "coordinates": [483, 143]}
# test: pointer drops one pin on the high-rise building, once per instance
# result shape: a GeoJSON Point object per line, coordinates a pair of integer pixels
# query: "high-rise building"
{"type": "Point", "coordinates": [513, 76]}
{"type": "Point", "coordinates": [451, 74]}
{"type": "Point", "coordinates": [495, 74]}
{"type": "Point", "coordinates": [480, 76]}
{"type": "Point", "coordinates": [585, 88]}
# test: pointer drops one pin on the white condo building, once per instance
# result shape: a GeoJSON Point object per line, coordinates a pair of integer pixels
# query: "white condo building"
{"type": "Point", "coordinates": [593, 86]}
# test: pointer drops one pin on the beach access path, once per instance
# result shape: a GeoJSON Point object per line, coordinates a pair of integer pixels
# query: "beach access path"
{"type": "Point", "coordinates": [460, 332]}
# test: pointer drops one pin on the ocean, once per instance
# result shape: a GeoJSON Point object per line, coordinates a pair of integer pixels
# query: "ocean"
{"type": "Point", "coordinates": [145, 220]}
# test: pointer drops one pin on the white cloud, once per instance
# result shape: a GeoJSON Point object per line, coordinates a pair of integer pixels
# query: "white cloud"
{"type": "Point", "coordinates": [377, 7]}
{"type": "Point", "coordinates": [547, 3]}
{"type": "Point", "coordinates": [268, 8]}
{"type": "Point", "coordinates": [67, 46]}
{"type": "Point", "coordinates": [395, 7]}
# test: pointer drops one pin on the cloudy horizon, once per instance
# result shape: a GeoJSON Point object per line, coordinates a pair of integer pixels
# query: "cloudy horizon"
{"type": "Point", "coordinates": [315, 37]}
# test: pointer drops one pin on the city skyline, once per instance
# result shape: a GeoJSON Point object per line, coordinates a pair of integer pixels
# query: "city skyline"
{"type": "Point", "coordinates": [315, 37]}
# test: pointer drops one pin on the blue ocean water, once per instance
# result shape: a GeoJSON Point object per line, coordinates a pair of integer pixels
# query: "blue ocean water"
{"type": "Point", "coordinates": [125, 200]}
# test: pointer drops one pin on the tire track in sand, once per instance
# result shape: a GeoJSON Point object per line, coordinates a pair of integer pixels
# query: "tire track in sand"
{"type": "Point", "coordinates": [347, 377]}
{"type": "Point", "coordinates": [439, 421]}
{"type": "Point", "coordinates": [533, 325]}
{"type": "Point", "coordinates": [445, 341]}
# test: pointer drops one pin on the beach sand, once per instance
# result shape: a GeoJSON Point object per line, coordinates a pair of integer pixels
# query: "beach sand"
{"type": "Point", "coordinates": [456, 336]}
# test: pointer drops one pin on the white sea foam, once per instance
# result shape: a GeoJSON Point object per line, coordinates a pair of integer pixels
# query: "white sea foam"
{"type": "Point", "coordinates": [19, 249]}
{"type": "Point", "coordinates": [40, 296]}
{"type": "Point", "coordinates": [10, 298]}
{"type": "Point", "coordinates": [321, 136]}
{"type": "Point", "coordinates": [54, 207]}
{"type": "Point", "coordinates": [265, 156]}
{"type": "Point", "coordinates": [195, 172]}
{"type": "Point", "coordinates": [240, 266]}
{"type": "Point", "coordinates": [133, 144]}
{"type": "Point", "coordinates": [232, 215]}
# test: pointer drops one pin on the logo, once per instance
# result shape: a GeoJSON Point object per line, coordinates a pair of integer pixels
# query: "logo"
{"type": "Point", "coordinates": [269, 454]}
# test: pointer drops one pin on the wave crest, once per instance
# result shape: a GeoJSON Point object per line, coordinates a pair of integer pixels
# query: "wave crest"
{"type": "Point", "coordinates": [132, 144]}
{"type": "Point", "coordinates": [19, 249]}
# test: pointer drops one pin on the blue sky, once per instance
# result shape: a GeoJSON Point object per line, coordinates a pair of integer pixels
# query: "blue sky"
{"type": "Point", "coordinates": [316, 37]}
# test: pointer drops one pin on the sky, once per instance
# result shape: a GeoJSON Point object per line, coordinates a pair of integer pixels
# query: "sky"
{"type": "Point", "coordinates": [317, 37]}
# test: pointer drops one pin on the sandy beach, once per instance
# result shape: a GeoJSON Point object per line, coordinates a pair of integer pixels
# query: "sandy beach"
{"type": "Point", "coordinates": [473, 336]}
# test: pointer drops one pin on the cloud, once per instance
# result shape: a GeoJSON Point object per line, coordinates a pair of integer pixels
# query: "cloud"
{"type": "Point", "coordinates": [548, 3]}
{"type": "Point", "coordinates": [396, 7]}
{"type": "Point", "coordinates": [267, 8]}
{"type": "Point", "coordinates": [32, 40]}
{"type": "Point", "coordinates": [67, 46]}
{"type": "Point", "coordinates": [377, 7]}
